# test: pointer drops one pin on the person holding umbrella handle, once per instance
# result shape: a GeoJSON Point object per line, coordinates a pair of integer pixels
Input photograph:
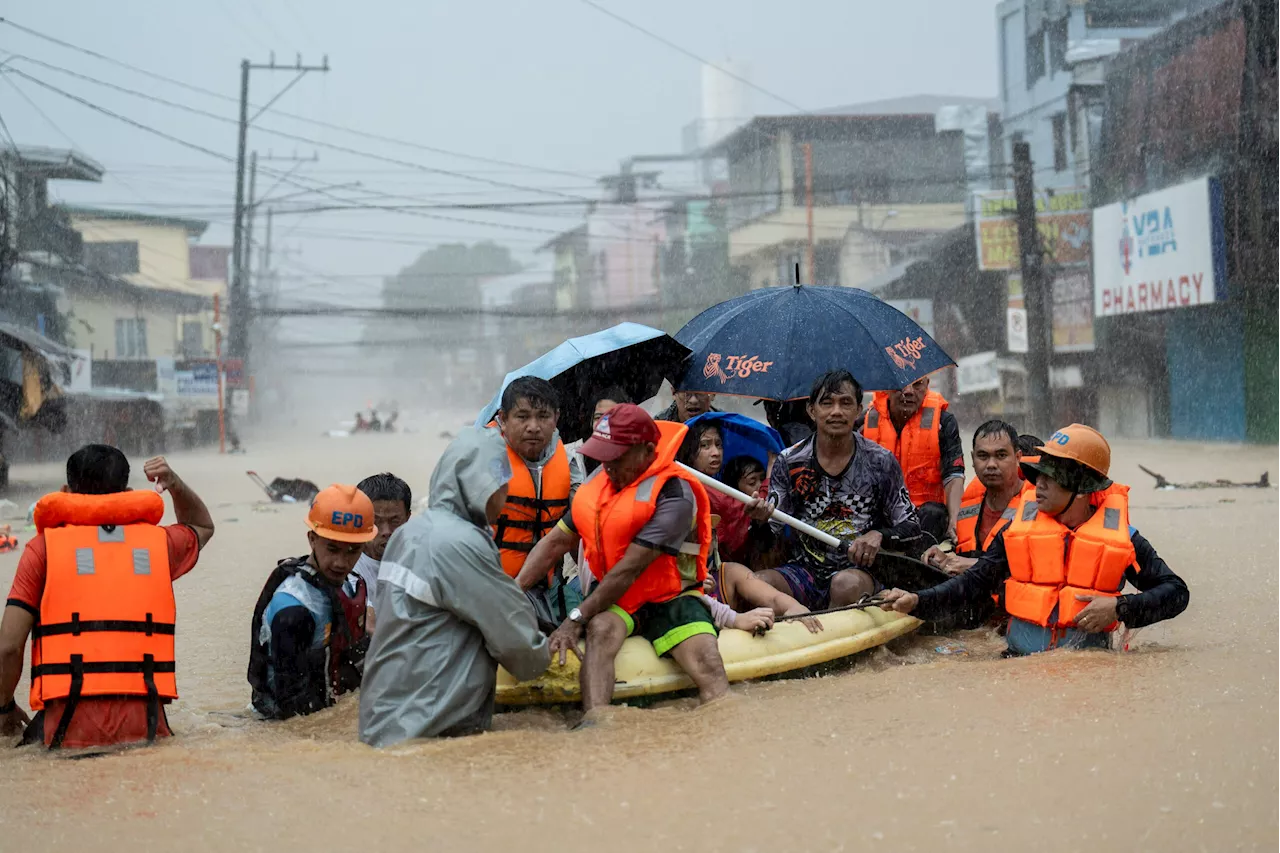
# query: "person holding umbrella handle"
{"type": "Point", "coordinates": [847, 487]}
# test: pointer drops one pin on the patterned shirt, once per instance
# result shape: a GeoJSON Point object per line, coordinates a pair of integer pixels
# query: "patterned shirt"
{"type": "Point", "coordinates": [867, 495]}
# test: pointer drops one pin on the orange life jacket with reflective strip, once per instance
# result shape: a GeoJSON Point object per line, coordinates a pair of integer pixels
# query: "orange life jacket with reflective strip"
{"type": "Point", "coordinates": [608, 521]}
{"type": "Point", "coordinates": [917, 448]}
{"type": "Point", "coordinates": [528, 514]}
{"type": "Point", "coordinates": [106, 623]}
{"type": "Point", "coordinates": [1049, 564]}
{"type": "Point", "coordinates": [970, 515]}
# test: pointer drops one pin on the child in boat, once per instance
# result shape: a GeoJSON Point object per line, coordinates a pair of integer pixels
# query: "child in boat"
{"type": "Point", "coordinates": [754, 542]}
{"type": "Point", "coordinates": [732, 585]}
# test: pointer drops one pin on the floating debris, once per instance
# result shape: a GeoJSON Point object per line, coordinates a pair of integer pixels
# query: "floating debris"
{"type": "Point", "coordinates": [1162, 483]}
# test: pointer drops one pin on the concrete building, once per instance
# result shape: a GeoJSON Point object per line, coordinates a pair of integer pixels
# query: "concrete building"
{"type": "Point", "coordinates": [143, 303]}
{"type": "Point", "coordinates": [883, 179]}
{"type": "Point", "coordinates": [1184, 263]}
{"type": "Point", "coordinates": [1035, 38]}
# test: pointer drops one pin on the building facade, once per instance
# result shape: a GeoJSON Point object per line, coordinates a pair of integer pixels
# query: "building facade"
{"type": "Point", "coordinates": [1034, 40]}
{"type": "Point", "coordinates": [880, 178]}
{"type": "Point", "coordinates": [1185, 194]}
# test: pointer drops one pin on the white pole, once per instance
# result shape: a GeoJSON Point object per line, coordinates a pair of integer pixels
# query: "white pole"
{"type": "Point", "coordinates": [797, 524]}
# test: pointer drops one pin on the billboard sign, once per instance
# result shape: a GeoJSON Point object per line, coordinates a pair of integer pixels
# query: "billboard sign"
{"type": "Point", "coordinates": [1162, 250]}
{"type": "Point", "coordinates": [1062, 215]}
{"type": "Point", "coordinates": [1072, 312]}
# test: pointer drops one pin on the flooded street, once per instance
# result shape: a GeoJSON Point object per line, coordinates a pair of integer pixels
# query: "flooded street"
{"type": "Point", "coordinates": [1172, 746]}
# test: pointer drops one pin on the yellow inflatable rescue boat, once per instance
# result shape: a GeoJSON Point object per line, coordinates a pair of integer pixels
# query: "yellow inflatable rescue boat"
{"type": "Point", "coordinates": [789, 646]}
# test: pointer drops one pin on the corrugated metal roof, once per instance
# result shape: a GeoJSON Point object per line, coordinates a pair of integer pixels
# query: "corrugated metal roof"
{"type": "Point", "coordinates": [54, 163]}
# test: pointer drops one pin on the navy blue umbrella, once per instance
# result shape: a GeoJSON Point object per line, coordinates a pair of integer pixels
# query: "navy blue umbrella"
{"type": "Point", "coordinates": [773, 343]}
{"type": "Point", "coordinates": [633, 357]}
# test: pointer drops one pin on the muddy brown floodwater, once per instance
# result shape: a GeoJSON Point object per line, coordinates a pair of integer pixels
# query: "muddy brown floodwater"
{"type": "Point", "coordinates": [1171, 746]}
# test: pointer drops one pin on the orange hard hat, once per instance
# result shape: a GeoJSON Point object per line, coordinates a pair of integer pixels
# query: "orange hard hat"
{"type": "Point", "coordinates": [343, 514]}
{"type": "Point", "coordinates": [1077, 456]}
{"type": "Point", "coordinates": [1082, 444]}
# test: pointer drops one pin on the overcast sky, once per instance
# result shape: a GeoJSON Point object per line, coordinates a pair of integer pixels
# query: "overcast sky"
{"type": "Point", "coordinates": [554, 84]}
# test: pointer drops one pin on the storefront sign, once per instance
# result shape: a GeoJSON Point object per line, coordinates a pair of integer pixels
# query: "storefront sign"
{"type": "Point", "coordinates": [1072, 312]}
{"type": "Point", "coordinates": [978, 372]}
{"type": "Point", "coordinates": [201, 380]}
{"type": "Point", "coordinates": [1016, 320]}
{"type": "Point", "coordinates": [1162, 250]}
{"type": "Point", "coordinates": [1061, 215]}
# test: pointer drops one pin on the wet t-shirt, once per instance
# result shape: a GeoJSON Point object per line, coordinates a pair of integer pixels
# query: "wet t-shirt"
{"type": "Point", "coordinates": [987, 522]}
{"type": "Point", "coordinates": [867, 495]}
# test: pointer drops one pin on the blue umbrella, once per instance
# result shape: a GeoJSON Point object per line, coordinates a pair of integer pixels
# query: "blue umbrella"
{"type": "Point", "coordinates": [774, 342]}
{"type": "Point", "coordinates": [633, 357]}
{"type": "Point", "coordinates": [742, 436]}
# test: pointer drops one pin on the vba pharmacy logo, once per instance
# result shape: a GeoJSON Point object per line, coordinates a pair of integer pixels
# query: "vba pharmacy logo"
{"type": "Point", "coordinates": [1145, 233]}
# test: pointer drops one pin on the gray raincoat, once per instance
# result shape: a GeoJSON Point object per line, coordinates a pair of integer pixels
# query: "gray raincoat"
{"type": "Point", "coordinates": [447, 614]}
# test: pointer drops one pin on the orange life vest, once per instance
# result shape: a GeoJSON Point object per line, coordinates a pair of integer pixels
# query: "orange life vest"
{"type": "Point", "coordinates": [531, 512]}
{"type": "Point", "coordinates": [970, 515]}
{"type": "Point", "coordinates": [1049, 564]}
{"type": "Point", "coordinates": [608, 521]}
{"type": "Point", "coordinates": [106, 622]}
{"type": "Point", "coordinates": [917, 449]}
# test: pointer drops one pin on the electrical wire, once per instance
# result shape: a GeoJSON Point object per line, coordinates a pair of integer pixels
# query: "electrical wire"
{"type": "Point", "coordinates": [316, 122]}
{"type": "Point", "coordinates": [408, 164]}
{"type": "Point", "coordinates": [347, 203]}
{"type": "Point", "coordinates": [693, 55]}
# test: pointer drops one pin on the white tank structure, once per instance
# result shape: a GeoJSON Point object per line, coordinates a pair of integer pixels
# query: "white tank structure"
{"type": "Point", "coordinates": [726, 101]}
{"type": "Point", "coordinates": [726, 106]}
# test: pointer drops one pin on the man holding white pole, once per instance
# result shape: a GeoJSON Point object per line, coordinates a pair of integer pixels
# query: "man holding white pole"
{"type": "Point", "coordinates": [847, 487]}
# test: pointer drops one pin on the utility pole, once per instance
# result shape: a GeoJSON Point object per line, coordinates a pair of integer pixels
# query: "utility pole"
{"type": "Point", "coordinates": [239, 309]}
{"type": "Point", "coordinates": [808, 205]}
{"type": "Point", "coordinates": [264, 260]}
{"type": "Point", "coordinates": [246, 241]}
{"type": "Point", "coordinates": [1035, 293]}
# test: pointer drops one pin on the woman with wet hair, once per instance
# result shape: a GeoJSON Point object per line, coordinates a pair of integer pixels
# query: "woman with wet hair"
{"type": "Point", "coordinates": [731, 586]}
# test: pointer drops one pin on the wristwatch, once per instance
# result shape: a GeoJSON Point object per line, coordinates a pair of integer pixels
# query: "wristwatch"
{"type": "Point", "coordinates": [575, 615]}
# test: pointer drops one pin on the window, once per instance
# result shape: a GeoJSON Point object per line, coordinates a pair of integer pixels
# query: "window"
{"type": "Point", "coordinates": [120, 258]}
{"type": "Point", "coordinates": [1060, 142]}
{"type": "Point", "coordinates": [192, 338]}
{"type": "Point", "coordinates": [1126, 14]}
{"type": "Point", "coordinates": [1035, 57]}
{"type": "Point", "coordinates": [1058, 45]}
{"type": "Point", "coordinates": [131, 337]}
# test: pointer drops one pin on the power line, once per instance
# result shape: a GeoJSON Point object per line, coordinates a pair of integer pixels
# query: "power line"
{"type": "Point", "coordinates": [235, 19]}
{"type": "Point", "coordinates": [299, 21]}
{"type": "Point", "coordinates": [257, 13]}
{"type": "Point", "coordinates": [318, 123]}
{"type": "Point", "coordinates": [347, 203]}
{"type": "Point", "coordinates": [322, 310]}
{"type": "Point", "coordinates": [693, 55]}
{"type": "Point", "coordinates": [408, 164]}
{"type": "Point", "coordinates": [157, 282]}
{"type": "Point", "coordinates": [40, 112]}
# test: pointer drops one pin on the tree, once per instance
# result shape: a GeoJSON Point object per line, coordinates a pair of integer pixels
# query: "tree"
{"type": "Point", "coordinates": [444, 360]}
{"type": "Point", "coordinates": [448, 275]}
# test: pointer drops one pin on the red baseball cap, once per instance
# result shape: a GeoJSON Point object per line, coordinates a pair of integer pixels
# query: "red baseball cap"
{"type": "Point", "coordinates": [622, 428]}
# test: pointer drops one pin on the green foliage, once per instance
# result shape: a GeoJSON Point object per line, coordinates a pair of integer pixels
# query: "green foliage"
{"type": "Point", "coordinates": [448, 275]}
